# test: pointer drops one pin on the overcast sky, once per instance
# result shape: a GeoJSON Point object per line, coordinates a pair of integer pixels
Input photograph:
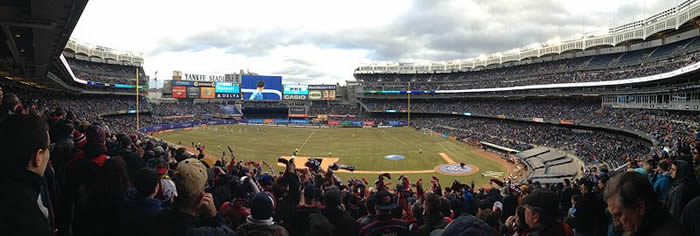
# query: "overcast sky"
{"type": "Point", "coordinates": [313, 42]}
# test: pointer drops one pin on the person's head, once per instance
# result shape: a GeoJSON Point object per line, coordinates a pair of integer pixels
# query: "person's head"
{"type": "Point", "coordinates": [649, 165]}
{"type": "Point", "coordinates": [586, 186]}
{"type": "Point", "coordinates": [663, 167]}
{"type": "Point", "coordinates": [147, 182]}
{"type": "Point", "coordinates": [115, 174]}
{"type": "Point", "coordinates": [602, 182]}
{"type": "Point", "coordinates": [262, 206]}
{"type": "Point", "coordinates": [96, 135]}
{"type": "Point", "coordinates": [190, 179]}
{"type": "Point", "coordinates": [10, 102]}
{"type": "Point", "coordinates": [541, 208]}
{"type": "Point", "coordinates": [370, 206]}
{"type": "Point", "coordinates": [260, 85]}
{"type": "Point", "coordinates": [384, 203]}
{"type": "Point", "coordinates": [567, 182]}
{"type": "Point", "coordinates": [681, 170]}
{"type": "Point", "coordinates": [630, 198]}
{"type": "Point", "coordinates": [25, 143]}
{"type": "Point", "coordinates": [491, 218]}
{"type": "Point", "coordinates": [520, 218]}
{"type": "Point", "coordinates": [332, 198]}
{"type": "Point", "coordinates": [575, 198]}
{"type": "Point", "coordinates": [468, 225]}
{"type": "Point", "coordinates": [417, 211]}
{"type": "Point", "coordinates": [431, 205]}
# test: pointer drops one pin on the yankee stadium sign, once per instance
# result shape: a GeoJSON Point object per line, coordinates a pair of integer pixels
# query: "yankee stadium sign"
{"type": "Point", "coordinates": [200, 77]}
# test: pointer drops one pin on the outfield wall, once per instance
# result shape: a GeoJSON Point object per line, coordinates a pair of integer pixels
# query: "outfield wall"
{"type": "Point", "coordinates": [279, 122]}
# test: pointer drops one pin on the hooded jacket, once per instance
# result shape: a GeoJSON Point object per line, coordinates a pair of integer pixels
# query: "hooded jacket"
{"type": "Point", "coordinates": [683, 189]}
{"type": "Point", "coordinates": [662, 184]}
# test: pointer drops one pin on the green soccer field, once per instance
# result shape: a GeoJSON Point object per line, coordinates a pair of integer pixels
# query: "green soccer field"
{"type": "Point", "coordinates": [363, 148]}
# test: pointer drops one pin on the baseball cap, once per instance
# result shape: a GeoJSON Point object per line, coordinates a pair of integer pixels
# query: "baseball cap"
{"type": "Point", "coordinates": [191, 177]}
{"type": "Point", "coordinates": [384, 200]}
{"type": "Point", "coordinates": [262, 206]}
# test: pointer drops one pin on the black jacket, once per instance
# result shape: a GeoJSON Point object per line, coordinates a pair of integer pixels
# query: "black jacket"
{"type": "Point", "coordinates": [343, 223]}
{"type": "Point", "coordinates": [170, 222]}
{"type": "Point", "coordinates": [683, 189]}
{"type": "Point", "coordinates": [589, 218]}
{"type": "Point", "coordinates": [20, 213]}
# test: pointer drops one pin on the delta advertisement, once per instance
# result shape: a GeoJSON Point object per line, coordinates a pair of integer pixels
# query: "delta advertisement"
{"type": "Point", "coordinates": [179, 92]}
{"type": "Point", "coordinates": [261, 87]}
{"type": "Point", "coordinates": [227, 90]}
{"type": "Point", "coordinates": [295, 92]}
{"type": "Point", "coordinates": [321, 92]}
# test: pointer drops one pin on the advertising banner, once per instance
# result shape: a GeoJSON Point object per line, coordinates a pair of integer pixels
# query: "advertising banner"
{"type": "Point", "coordinates": [356, 123]}
{"type": "Point", "coordinates": [538, 120]}
{"type": "Point", "coordinates": [566, 122]}
{"type": "Point", "coordinates": [203, 84]}
{"type": "Point", "coordinates": [269, 121]}
{"type": "Point", "coordinates": [368, 123]}
{"type": "Point", "coordinates": [182, 83]}
{"type": "Point", "coordinates": [258, 87]}
{"type": "Point", "coordinates": [179, 92]}
{"type": "Point", "coordinates": [321, 87]}
{"type": "Point", "coordinates": [228, 95]}
{"type": "Point", "coordinates": [163, 127]}
{"type": "Point", "coordinates": [296, 89]}
{"type": "Point", "coordinates": [299, 115]}
{"type": "Point", "coordinates": [295, 97]}
{"type": "Point", "coordinates": [333, 122]}
{"type": "Point", "coordinates": [207, 93]}
{"type": "Point", "coordinates": [315, 95]}
{"type": "Point", "coordinates": [226, 87]}
{"type": "Point", "coordinates": [345, 122]}
{"type": "Point", "coordinates": [501, 116]}
{"type": "Point", "coordinates": [193, 92]}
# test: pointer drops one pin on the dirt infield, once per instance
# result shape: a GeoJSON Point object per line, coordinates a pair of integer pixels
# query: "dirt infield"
{"type": "Point", "coordinates": [300, 161]}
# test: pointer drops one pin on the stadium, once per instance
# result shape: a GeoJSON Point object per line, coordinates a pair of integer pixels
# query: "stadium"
{"type": "Point", "coordinates": [585, 133]}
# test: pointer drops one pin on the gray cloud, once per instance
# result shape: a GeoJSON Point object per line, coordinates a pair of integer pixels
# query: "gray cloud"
{"type": "Point", "coordinates": [432, 30]}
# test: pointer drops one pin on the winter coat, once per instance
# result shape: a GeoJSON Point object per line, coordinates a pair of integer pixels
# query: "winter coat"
{"type": "Point", "coordinates": [683, 189]}
{"type": "Point", "coordinates": [589, 218]}
{"type": "Point", "coordinates": [343, 223]}
{"type": "Point", "coordinates": [659, 222]}
{"type": "Point", "coordinates": [691, 217]}
{"type": "Point", "coordinates": [136, 215]}
{"type": "Point", "coordinates": [662, 185]}
{"type": "Point", "coordinates": [21, 213]}
{"type": "Point", "coordinates": [249, 229]}
{"type": "Point", "coordinates": [555, 229]}
{"type": "Point", "coordinates": [171, 222]}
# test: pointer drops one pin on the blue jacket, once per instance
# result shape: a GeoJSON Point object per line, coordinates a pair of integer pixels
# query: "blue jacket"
{"type": "Point", "coordinates": [662, 185]}
{"type": "Point", "coordinates": [468, 202]}
{"type": "Point", "coordinates": [136, 215]}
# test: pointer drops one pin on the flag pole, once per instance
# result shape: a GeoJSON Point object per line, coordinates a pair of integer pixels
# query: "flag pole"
{"type": "Point", "coordinates": [137, 98]}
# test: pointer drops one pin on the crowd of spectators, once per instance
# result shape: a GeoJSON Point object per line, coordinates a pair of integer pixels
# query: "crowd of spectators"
{"type": "Point", "coordinates": [106, 73]}
{"type": "Point", "coordinates": [67, 176]}
{"type": "Point", "coordinates": [560, 71]}
{"type": "Point", "coordinates": [669, 128]}
{"type": "Point", "coordinates": [181, 109]}
{"type": "Point", "coordinates": [591, 147]}
{"type": "Point", "coordinates": [333, 108]}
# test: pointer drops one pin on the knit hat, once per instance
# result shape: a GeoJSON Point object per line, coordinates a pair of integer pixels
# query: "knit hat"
{"type": "Point", "coordinates": [95, 135]}
{"type": "Point", "coordinates": [265, 180]}
{"type": "Point", "coordinates": [468, 225]}
{"type": "Point", "coordinates": [544, 199]}
{"type": "Point", "coordinates": [191, 177]}
{"type": "Point", "coordinates": [261, 206]}
{"type": "Point", "coordinates": [332, 197]}
{"type": "Point", "coordinates": [79, 138]}
{"type": "Point", "coordinates": [384, 201]}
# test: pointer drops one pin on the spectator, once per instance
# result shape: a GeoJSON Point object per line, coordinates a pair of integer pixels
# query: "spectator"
{"type": "Point", "coordinates": [432, 216]}
{"type": "Point", "coordinates": [259, 222]}
{"type": "Point", "coordinates": [589, 217]}
{"type": "Point", "coordinates": [633, 206]}
{"type": "Point", "coordinates": [343, 223]}
{"type": "Point", "coordinates": [468, 225]}
{"type": "Point", "coordinates": [542, 214]}
{"type": "Point", "coordinates": [26, 146]}
{"type": "Point", "coordinates": [516, 224]}
{"type": "Point", "coordinates": [663, 180]}
{"type": "Point", "coordinates": [193, 212]}
{"type": "Point", "coordinates": [385, 224]}
{"type": "Point", "coordinates": [683, 189]}
{"type": "Point", "coordinates": [136, 215]}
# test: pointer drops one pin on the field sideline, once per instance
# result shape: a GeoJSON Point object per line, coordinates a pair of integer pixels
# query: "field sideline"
{"type": "Point", "coordinates": [363, 148]}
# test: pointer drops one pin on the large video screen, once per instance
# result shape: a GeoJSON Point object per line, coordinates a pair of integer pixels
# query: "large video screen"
{"type": "Point", "coordinates": [179, 92]}
{"type": "Point", "coordinates": [260, 87]}
{"type": "Point", "coordinates": [322, 92]}
{"type": "Point", "coordinates": [295, 92]}
{"type": "Point", "coordinates": [227, 87]}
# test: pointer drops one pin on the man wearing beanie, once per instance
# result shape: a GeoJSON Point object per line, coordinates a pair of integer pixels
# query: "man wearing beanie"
{"type": "Point", "coordinates": [385, 224]}
{"type": "Point", "coordinates": [193, 212]}
{"type": "Point", "coordinates": [259, 222]}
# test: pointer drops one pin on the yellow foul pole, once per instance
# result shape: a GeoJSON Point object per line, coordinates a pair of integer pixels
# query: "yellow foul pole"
{"type": "Point", "coordinates": [137, 98]}
{"type": "Point", "coordinates": [409, 103]}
